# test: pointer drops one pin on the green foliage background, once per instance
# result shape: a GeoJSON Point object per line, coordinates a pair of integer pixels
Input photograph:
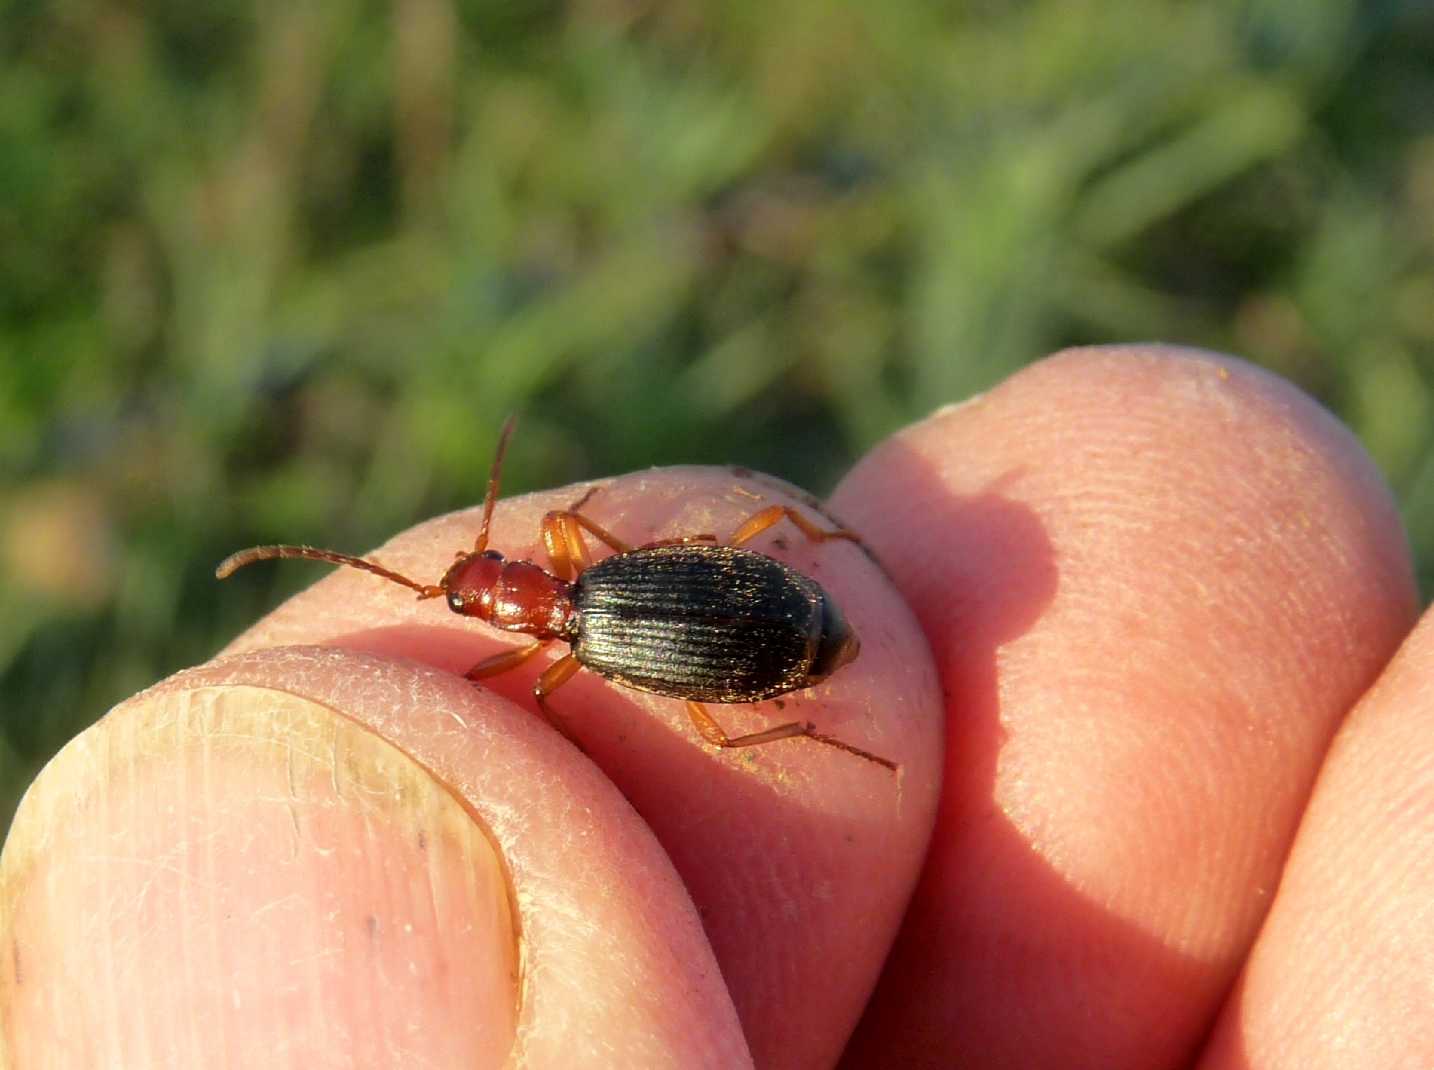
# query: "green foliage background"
{"type": "Point", "coordinates": [275, 271]}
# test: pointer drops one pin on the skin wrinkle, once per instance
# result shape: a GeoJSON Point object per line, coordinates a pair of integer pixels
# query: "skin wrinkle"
{"type": "Point", "coordinates": [1117, 843]}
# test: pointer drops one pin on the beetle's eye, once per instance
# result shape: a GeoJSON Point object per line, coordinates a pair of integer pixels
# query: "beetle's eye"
{"type": "Point", "coordinates": [492, 555]}
{"type": "Point", "coordinates": [455, 601]}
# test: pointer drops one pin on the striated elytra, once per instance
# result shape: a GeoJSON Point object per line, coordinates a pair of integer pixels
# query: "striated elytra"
{"type": "Point", "coordinates": [709, 623]}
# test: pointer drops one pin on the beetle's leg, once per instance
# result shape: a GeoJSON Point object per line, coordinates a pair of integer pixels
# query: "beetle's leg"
{"type": "Point", "coordinates": [564, 541]}
{"type": "Point", "coordinates": [578, 520]}
{"type": "Point", "coordinates": [555, 541]}
{"type": "Point", "coordinates": [708, 728]}
{"type": "Point", "coordinates": [832, 741]}
{"type": "Point", "coordinates": [587, 497]}
{"type": "Point", "coordinates": [554, 677]}
{"type": "Point", "coordinates": [761, 521]}
{"type": "Point", "coordinates": [508, 659]}
{"type": "Point", "coordinates": [567, 550]}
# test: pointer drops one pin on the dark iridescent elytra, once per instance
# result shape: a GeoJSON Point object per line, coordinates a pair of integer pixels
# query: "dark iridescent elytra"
{"type": "Point", "coordinates": [709, 623]}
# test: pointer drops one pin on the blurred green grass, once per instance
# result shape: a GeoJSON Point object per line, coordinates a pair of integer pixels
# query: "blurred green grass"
{"type": "Point", "coordinates": [276, 273]}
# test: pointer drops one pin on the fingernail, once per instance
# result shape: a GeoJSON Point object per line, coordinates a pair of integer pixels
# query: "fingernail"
{"type": "Point", "coordinates": [235, 875]}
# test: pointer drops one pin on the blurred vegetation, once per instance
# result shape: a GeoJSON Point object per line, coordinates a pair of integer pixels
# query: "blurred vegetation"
{"type": "Point", "coordinates": [275, 271]}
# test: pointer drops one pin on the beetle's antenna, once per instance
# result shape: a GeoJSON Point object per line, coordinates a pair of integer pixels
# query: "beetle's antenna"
{"type": "Point", "coordinates": [234, 562]}
{"type": "Point", "coordinates": [481, 543]}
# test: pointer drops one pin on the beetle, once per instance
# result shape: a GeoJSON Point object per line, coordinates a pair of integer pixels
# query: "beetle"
{"type": "Point", "coordinates": [687, 618]}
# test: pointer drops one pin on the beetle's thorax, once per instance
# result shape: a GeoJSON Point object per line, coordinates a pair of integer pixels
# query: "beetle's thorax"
{"type": "Point", "coordinates": [517, 596]}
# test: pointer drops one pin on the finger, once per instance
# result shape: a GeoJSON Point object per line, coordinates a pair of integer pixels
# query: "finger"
{"type": "Point", "coordinates": [308, 857]}
{"type": "Point", "coordinates": [1154, 581]}
{"type": "Point", "coordinates": [800, 857]}
{"type": "Point", "coordinates": [1343, 972]}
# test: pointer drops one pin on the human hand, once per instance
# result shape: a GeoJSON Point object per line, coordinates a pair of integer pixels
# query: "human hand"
{"type": "Point", "coordinates": [1154, 584]}
{"type": "Point", "coordinates": [328, 844]}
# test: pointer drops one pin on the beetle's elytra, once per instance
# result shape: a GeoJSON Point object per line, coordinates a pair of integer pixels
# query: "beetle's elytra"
{"type": "Point", "coordinates": [709, 623]}
{"type": "Point", "coordinates": [687, 618]}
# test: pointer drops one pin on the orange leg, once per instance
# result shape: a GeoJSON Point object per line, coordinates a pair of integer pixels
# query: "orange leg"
{"type": "Point", "coordinates": [761, 521]}
{"type": "Point", "coordinates": [555, 541]}
{"type": "Point", "coordinates": [567, 550]}
{"type": "Point", "coordinates": [554, 677]}
{"type": "Point", "coordinates": [708, 728]}
{"type": "Point", "coordinates": [508, 659]}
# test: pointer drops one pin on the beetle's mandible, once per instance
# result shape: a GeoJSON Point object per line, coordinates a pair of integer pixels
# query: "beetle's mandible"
{"type": "Point", "coordinates": [688, 618]}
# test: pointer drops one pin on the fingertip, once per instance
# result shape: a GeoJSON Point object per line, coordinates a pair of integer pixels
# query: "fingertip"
{"type": "Point", "coordinates": [1153, 580]}
{"type": "Point", "coordinates": [1341, 972]}
{"type": "Point", "coordinates": [237, 869]}
{"type": "Point", "coordinates": [1089, 425]}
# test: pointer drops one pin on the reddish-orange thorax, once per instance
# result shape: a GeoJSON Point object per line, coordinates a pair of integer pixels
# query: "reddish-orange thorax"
{"type": "Point", "coordinates": [517, 596]}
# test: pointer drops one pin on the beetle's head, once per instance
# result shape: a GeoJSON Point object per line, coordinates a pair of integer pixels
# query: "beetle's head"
{"type": "Point", "coordinates": [470, 582]}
